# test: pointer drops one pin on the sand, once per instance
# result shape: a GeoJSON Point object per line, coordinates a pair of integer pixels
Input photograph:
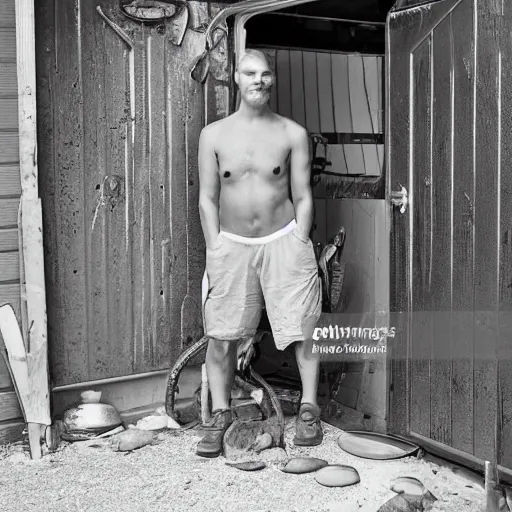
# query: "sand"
{"type": "Point", "coordinates": [168, 476]}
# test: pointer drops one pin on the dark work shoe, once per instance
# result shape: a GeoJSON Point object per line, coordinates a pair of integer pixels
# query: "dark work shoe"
{"type": "Point", "coordinates": [308, 429]}
{"type": "Point", "coordinates": [211, 443]}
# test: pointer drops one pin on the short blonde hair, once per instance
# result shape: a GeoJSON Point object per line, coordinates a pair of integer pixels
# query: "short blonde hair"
{"type": "Point", "coordinates": [259, 54]}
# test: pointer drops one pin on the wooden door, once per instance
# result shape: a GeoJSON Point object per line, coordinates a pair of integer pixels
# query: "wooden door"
{"type": "Point", "coordinates": [119, 123]}
{"type": "Point", "coordinates": [450, 147]}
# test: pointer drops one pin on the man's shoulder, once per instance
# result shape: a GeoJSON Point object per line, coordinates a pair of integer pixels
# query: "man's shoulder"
{"type": "Point", "coordinates": [296, 132]}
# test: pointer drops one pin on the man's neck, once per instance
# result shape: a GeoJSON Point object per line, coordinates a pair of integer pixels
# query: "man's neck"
{"type": "Point", "coordinates": [251, 113]}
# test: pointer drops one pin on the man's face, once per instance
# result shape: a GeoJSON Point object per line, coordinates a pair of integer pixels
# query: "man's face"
{"type": "Point", "coordinates": [254, 79]}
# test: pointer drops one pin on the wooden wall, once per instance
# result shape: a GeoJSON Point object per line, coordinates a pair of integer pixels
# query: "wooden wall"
{"type": "Point", "coordinates": [452, 250]}
{"type": "Point", "coordinates": [10, 190]}
{"type": "Point", "coordinates": [333, 94]}
{"type": "Point", "coordinates": [118, 124]}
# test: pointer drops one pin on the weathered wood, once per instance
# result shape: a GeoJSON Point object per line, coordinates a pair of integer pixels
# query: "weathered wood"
{"type": "Point", "coordinates": [7, 14]}
{"type": "Point", "coordinates": [8, 82]}
{"type": "Point", "coordinates": [9, 406]}
{"type": "Point", "coordinates": [325, 92]}
{"type": "Point", "coordinates": [10, 179]}
{"type": "Point", "coordinates": [10, 294]}
{"type": "Point", "coordinates": [486, 239]}
{"type": "Point", "coordinates": [422, 316]}
{"type": "Point", "coordinates": [405, 30]}
{"type": "Point", "coordinates": [191, 316]}
{"type": "Point", "coordinates": [463, 201]}
{"type": "Point", "coordinates": [11, 432]}
{"type": "Point", "coordinates": [9, 213]}
{"type": "Point", "coordinates": [9, 117]}
{"type": "Point", "coordinates": [69, 350]}
{"type": "Point", "coordinates": [298, 98]}
{"type": "Point", "coordinates": [9, 147]}
{"type": "Point", "coordinates": [9, 266]}
{"type": "Point", "coordinates": [311, 91]}
{"type": "Point", "coordinates": [505, 238]}
{"type": "Point", "coordinates": [442, 171]}
{"type": "Point", "coordinates": [347, 187]}
{"type": "Point", "coordinates": [8, 44]}
{"type": "Point", "coordinates": [284, 86]}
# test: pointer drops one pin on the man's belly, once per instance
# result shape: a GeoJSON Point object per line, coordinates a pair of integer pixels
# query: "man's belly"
{"type": "Point", "coordinates": [254, 211]}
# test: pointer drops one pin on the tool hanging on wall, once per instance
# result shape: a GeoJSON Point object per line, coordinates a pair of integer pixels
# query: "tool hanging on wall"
{"type": "Point", "coordinates": [169, 16]}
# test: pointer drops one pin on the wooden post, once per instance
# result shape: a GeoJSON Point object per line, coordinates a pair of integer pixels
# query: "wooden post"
{"type": "Point", "coordinates": [37, 404]}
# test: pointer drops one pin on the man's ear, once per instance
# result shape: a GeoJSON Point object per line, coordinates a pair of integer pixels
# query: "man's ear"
{"type": "Point", "coordinates": [237, 77]}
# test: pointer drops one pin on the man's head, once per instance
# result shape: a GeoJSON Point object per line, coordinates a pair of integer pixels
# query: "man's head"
{"type": "Point", "coordinates": [254, 77]}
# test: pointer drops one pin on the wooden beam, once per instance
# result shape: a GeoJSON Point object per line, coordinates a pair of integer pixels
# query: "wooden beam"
{"type": "Point", "coordinates": [37, 406]}
{"type": "Point", "coordinates": [353, 187]}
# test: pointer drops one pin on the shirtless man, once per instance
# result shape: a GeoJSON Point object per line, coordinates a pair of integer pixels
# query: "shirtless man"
{"type": "Point", "coordinates": [258, 249]}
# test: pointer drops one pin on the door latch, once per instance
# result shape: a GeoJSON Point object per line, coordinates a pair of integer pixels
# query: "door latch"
{"type": "Point", "coordinates": [400, 198]}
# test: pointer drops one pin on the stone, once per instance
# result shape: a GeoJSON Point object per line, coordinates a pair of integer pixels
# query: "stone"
{"type": "Point", "coordinates": [337, 476]}
{"type": "Point", "coordinates": [252, 465]}
{"type": "Point", "coordinates": [302, 465]}
{"type": "Point", "coordinates": [408, 485]}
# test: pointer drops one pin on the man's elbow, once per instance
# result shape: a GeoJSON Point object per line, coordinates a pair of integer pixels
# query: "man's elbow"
{"type": "Point", "coordinates": [207, 204]}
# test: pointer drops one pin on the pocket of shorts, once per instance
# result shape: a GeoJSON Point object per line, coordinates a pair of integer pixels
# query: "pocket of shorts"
{"type": "Point", "coordinates": [216, 245]}
{"type": "Point", "coordinates": [304, 240]}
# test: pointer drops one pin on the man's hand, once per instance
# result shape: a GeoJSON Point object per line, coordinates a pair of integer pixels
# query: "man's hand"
{"type": "Point", "coordinates": [300, 173]}
{"type": "Point", "coordinates": [209, 186]}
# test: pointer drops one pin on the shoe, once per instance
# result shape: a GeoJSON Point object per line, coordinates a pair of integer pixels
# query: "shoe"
{"type": "Point", "coordinates": [308, 429]}
{"type": "Point", "coordinates": [211, 443]}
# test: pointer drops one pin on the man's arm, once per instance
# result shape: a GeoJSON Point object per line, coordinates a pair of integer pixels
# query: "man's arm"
{"type": "Point", "coordinates": [300, 173]}
{"type": "Point", "coordinates": [209, 187]}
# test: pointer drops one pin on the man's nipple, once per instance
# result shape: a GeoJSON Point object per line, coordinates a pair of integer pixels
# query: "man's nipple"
{"type": "Point", "coordinates": [277, 170]}
{"type": "Point", "coordinates": [227, 174]}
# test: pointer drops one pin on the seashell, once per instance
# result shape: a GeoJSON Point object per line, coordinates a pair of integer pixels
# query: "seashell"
{"type": "Point", "coordinates": [302, 465]}
{"type": "Point", "coordinates": [337, 476]}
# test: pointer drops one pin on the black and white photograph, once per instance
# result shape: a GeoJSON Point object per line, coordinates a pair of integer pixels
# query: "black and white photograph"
{"type": "Point", "coordinates": [256, 255]}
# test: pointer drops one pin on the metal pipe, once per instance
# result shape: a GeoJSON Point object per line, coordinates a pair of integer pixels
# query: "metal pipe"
{"type": "Point", "coordinates": [326, 18]}
{"type": "Point", "coordinates": [111, 380]}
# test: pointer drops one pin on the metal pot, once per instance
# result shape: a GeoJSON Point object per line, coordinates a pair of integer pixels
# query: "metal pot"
{"type": "Point", "coordinates": [91, 416]}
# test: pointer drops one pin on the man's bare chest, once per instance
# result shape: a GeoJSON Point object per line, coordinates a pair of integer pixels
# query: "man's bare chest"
{"type": "Point", "coordinates": [262, 154]}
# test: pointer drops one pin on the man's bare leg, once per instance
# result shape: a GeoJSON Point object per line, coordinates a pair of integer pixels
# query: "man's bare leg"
{"type": "Point", "coordinates": [309, 369]}
{"type": "Point", "coordinates": [220, 368]}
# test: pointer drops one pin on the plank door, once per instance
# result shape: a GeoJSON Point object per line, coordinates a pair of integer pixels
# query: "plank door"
{"type": "Point", "coordinates": [119, 122]}
{"type": "Point", "coordinates": [449, 145]}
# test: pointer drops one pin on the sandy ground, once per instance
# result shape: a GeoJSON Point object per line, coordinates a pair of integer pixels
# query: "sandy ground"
{"type": "Point", "coordinates": [169, 477]}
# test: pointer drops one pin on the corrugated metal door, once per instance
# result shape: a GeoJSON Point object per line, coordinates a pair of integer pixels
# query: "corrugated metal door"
{"type": "Point", "coordinates": [449, 99]}
{"type": "Point", "coordinates": [119, 124]}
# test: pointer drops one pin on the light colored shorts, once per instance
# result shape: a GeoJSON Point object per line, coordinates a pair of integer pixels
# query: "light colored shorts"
{"type": "Point", "coordinates": [278, 271]}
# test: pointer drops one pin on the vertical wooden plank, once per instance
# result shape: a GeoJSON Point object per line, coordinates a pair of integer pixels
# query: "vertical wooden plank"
{"type": "Point", "coordinates": [69, 348]}
{"type": "Point", "coordinates": [463, 201]}
{"type": "Point", "coordinates": [159, 199]}
{"type": "Point", "coordinates": [372, 81]}
{"type": "Point", "coordinates": [191, 316]}
{"type": "Point", "coordinates": [336, 155]}
{"type": "Point", "coordinates": [422, 321]}
{"type": "Point", "coordinates": [440, 392]}
{"type": "Point", "coordinates": [284, 98]}
{"type": "Point", "coordinates": [486, 242]}
{"type": "Point", "coordinates": [361, 119]}
{"type": "Point", "coordinates": [325, 92]}
{"type": "Point", "coordinates": [297, 87]}
{"type": "Point", "coordinates": [380, 67]}
{"type": "Point", "coordinates": [354, 158]}
{"type": "Point", "coordinates": [397, 125]}
{"type": "Point", "coordinates": [371, 159]}
{"type": "Point", "coordinates": [505, 234]}
{"type": "Point", "coordinates": [104, 93]}
{"type": "Point", "coordinates": [311, 92]}
{"type": "Point", "coordinates": [340, 87]}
